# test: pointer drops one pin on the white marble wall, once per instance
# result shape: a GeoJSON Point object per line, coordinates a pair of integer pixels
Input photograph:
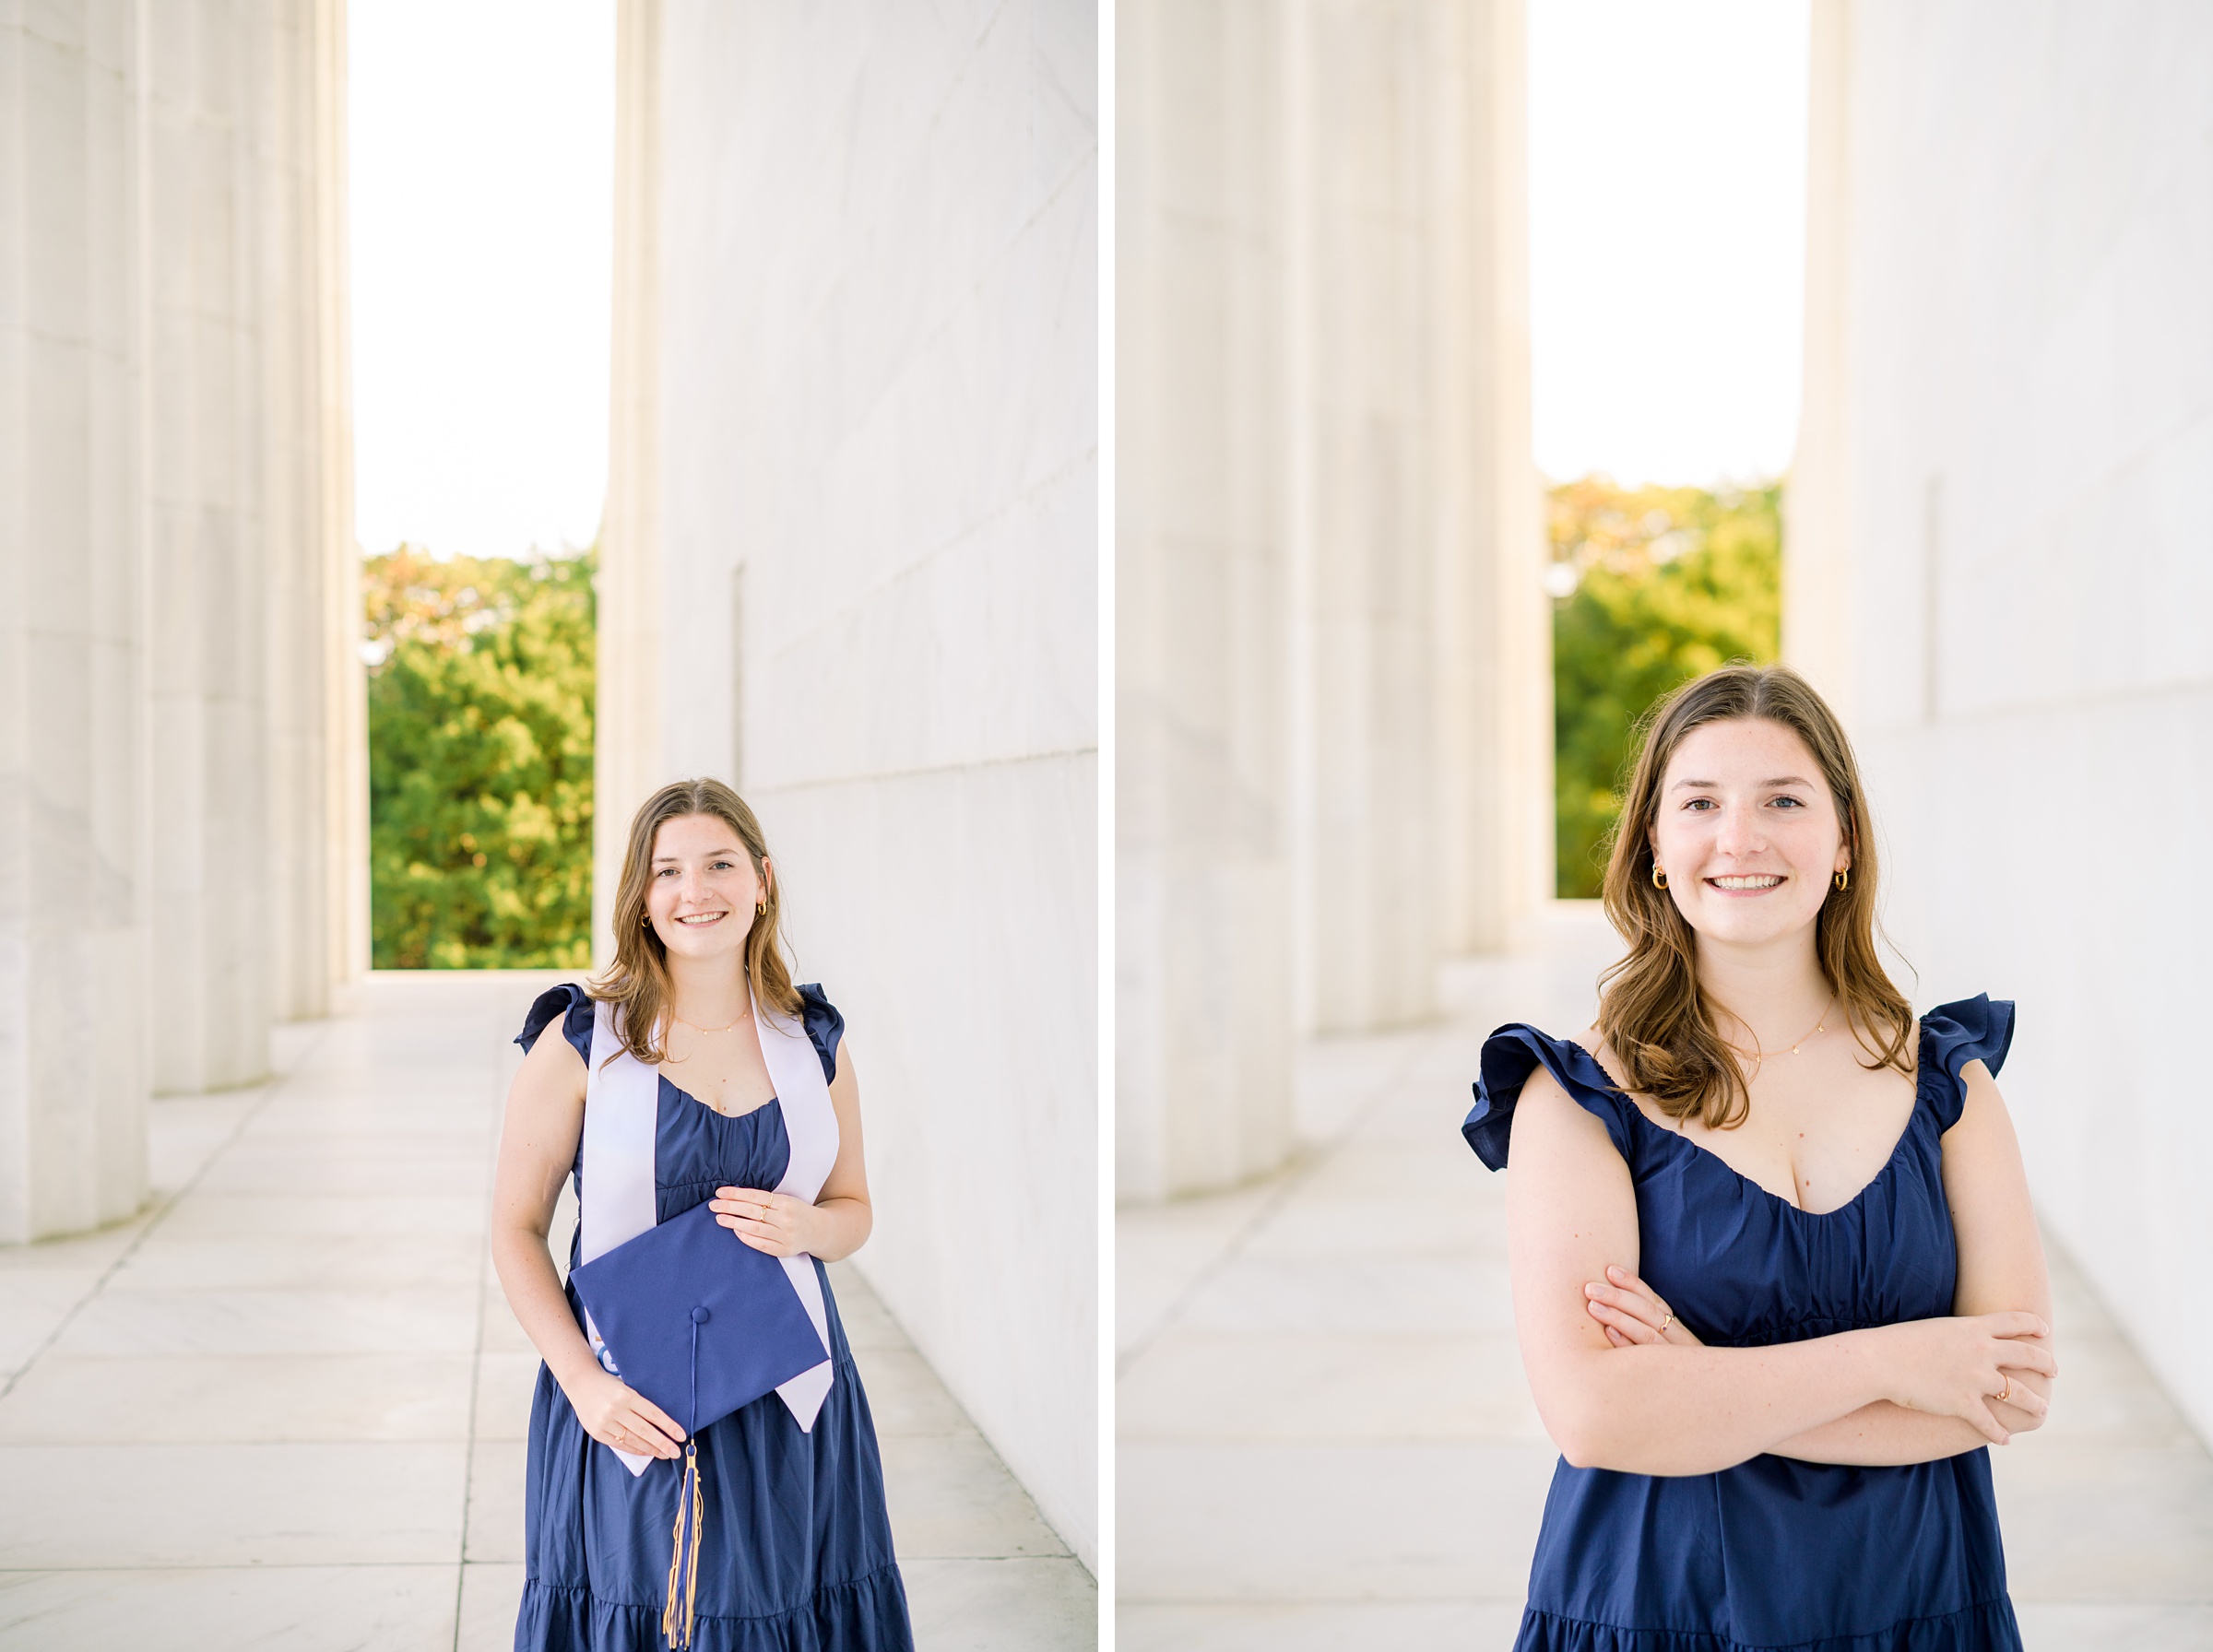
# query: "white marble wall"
{"type": "Point", "coordinates": [2022, 235]}
{"type": "Point", "coordinates": [1334, 741]}
{"type": "Point", "coordinates": [176, 644]}
{"type": "Point", "coordinates": [871, 550]}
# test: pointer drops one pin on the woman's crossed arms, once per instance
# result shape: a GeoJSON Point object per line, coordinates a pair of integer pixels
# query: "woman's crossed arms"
{"type": "Point", "coordinates": [1621, 1383]}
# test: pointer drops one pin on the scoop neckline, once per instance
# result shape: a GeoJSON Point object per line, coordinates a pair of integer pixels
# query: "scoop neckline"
{"type": "Point", "coordinates": [1921, 1074]}
{"type": "Point", "coordinates": [773, 1100]}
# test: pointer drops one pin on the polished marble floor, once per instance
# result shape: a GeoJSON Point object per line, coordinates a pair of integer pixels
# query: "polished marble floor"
{"type": "Point", "coordinates": [1327, 1440]}
{"type": "Point", "coordinates": [285, 1407]}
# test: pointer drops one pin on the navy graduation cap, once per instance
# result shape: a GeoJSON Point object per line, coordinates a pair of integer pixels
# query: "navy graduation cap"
{"type": "Point", "coordinates": [700, 1322]}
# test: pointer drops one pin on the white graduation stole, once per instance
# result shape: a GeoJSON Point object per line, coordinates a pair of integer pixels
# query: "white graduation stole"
{"type": "Point", "coordinates": [621, 1105]}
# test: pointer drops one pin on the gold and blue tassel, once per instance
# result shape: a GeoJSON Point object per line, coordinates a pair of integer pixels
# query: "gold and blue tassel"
{"type": "Point", "coordinates": [690, 1505]}
{"type": "Point", "coordinates": [691, 1509]}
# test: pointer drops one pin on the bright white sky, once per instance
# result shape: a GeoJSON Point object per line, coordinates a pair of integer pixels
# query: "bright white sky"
{"type": "Point", "coordinates": [1667, 199]}
{"type": "Point", "coordinates": [1667, 228]}
{"type": "Point", "coordinates": [482, 175]}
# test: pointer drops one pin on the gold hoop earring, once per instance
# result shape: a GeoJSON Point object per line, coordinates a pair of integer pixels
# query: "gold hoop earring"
{"type": "Point", "coordinates": [760, 911]}
{"type": "Point", "coordinates": [644, 920]}
{"type": "Point", "coordinates": [1658, 878]}
{"type": "Point", "coordinates": [1844, 879]}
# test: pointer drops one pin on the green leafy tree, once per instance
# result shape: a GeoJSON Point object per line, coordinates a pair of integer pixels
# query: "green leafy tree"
{"type": "Point", "coordinates": [1651, 587]}
{"type": "Point", "coordinates": [479, 760]}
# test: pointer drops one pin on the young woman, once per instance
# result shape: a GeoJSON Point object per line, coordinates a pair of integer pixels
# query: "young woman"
{"type": "Point", "coordinates": [1776, 1279]}
{"type": "Point", "coordinates": [797, 1549]}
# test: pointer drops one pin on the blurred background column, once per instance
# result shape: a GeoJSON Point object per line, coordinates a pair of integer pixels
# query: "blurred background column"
{"type": "Point", "coordinates": [1203, 886]}
{"type": "Point", "coordinates": [1421, 740]}
{"type": "Point", "coordinates": [250, 570]}
{"type": "Point", "coordinates": [179, 655]}
{"type": "Point", "coordinates": [1335, 742]}
{"type": "Point", "coordinates": [317, 711]}
{"type": "Point", "coordinates": [1816, 594]}
{"type": "Point", "coordinates": [74, 621]}
{"type": "Point", "coordinates": [209, 899]}
{"type": "Point", "coordinates": [1493, 623]}
{"type": "Point", "coordinates": [627, 763]}
{"type": "Point", "coordinates": [1999, 548]}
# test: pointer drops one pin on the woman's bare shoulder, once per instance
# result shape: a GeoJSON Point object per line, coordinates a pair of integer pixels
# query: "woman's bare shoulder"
{"type": "Point", "coordinates": [1594, 1045]}
{"type": "Point", "coordinates": [1548, 1096]}
{"type": "Point", "coordinates": [1591, 1041]}
{"type": "Point", "coordinates": [552, 1069]}
{"type": "Point", "coordinates": [1539, 1081]}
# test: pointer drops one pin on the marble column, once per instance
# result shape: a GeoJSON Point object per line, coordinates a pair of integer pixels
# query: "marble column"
{"type": "Point", "coordinates": [626, 751]}
{"type": "Point", "coordinates": [1493, 624]}
{"type": "Point", "coordinates": [211, 907]}
{"type": "Point", "coordinates": [1816, 575]}
{"type": "Point", "coordinates": [1202, 881]}
{"type": "Point", "coordinates": [1419, 653]}
{"type": "Point", "coordinates": [1365, 477]}
{"type": "Point", "coordinates": [316, 701]}
{"type": "Point", "coordinates": [179, 637]}
{"type": "Point", "coordinates": [1334, 719]}
{"type": "Point", "coordinates": [74, 623]}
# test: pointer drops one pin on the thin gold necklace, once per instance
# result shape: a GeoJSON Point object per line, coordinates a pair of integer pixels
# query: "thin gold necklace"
{"type": "Point", "coordinates": [1758, 1055]}
{"type": "Point", "coordinates": [742, 1015]}
{"type": "Point", "coordinates": [714, 1105]}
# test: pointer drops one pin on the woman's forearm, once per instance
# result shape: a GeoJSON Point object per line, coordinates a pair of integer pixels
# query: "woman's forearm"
{"type": "Point", "coordinates": [1883, 1436]}
{"type": "Point", "coordinates": [541, 1307]}
{"type": "Point", "coordinates": [841, 1227]}
{"type": "Point", "coordinates": [1669, 1411]}
{"type": "Point", "coordinates": [1669, 1408]}
{"type": "Point", "coordinates": [1887, 1436]}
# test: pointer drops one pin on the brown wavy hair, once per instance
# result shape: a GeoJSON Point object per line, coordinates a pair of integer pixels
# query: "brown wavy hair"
{"type": "Point", "coordinates": [1654, 1015]}
{"type": "Point", "coordinates": [637, 981]}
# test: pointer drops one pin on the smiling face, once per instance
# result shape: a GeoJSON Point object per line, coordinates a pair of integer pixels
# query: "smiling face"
{"type": "Point", "coordinates": [701, 891]}
{"type": "Point", "coordinates": [1746, 833]}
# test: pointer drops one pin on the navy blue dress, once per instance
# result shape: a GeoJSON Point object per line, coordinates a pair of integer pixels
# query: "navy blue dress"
{"type": "Point", "coordinates": [797, 1555]}
{"type": "Point", "coordinates": [1773, 1553]}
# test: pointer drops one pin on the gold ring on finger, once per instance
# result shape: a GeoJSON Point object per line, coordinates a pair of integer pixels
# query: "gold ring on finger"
{"type": "Point", "coordinates": [2006, 1392]}
{"type": "Point", "coordinates": [1668, 1321]}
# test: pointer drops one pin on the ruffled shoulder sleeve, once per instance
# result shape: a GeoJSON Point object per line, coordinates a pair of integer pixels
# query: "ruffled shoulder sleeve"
{"type": "Point", "coordinates": [825, 1026]}
{"type": "Point", "coordinates": [1509, 1055]}
{"type": "Point", "coordinates": [1976, 1029]}
{"type": "Point", "coordinates": [573, 1006]}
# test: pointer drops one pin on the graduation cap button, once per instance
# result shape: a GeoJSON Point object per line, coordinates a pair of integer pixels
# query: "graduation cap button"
{"type": "Point", "coordinates": [699, 1315]}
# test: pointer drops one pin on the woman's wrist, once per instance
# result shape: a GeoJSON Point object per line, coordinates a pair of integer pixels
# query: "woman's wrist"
{"type": "Point", "coordinates": [842, 1227]}
{"type": "Point", "coordinates": [573, 1371]}
{"type": "Point", "coordinates": [1884, 1352]}
{"type": "Point", "coordinates": [814, 1232]}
